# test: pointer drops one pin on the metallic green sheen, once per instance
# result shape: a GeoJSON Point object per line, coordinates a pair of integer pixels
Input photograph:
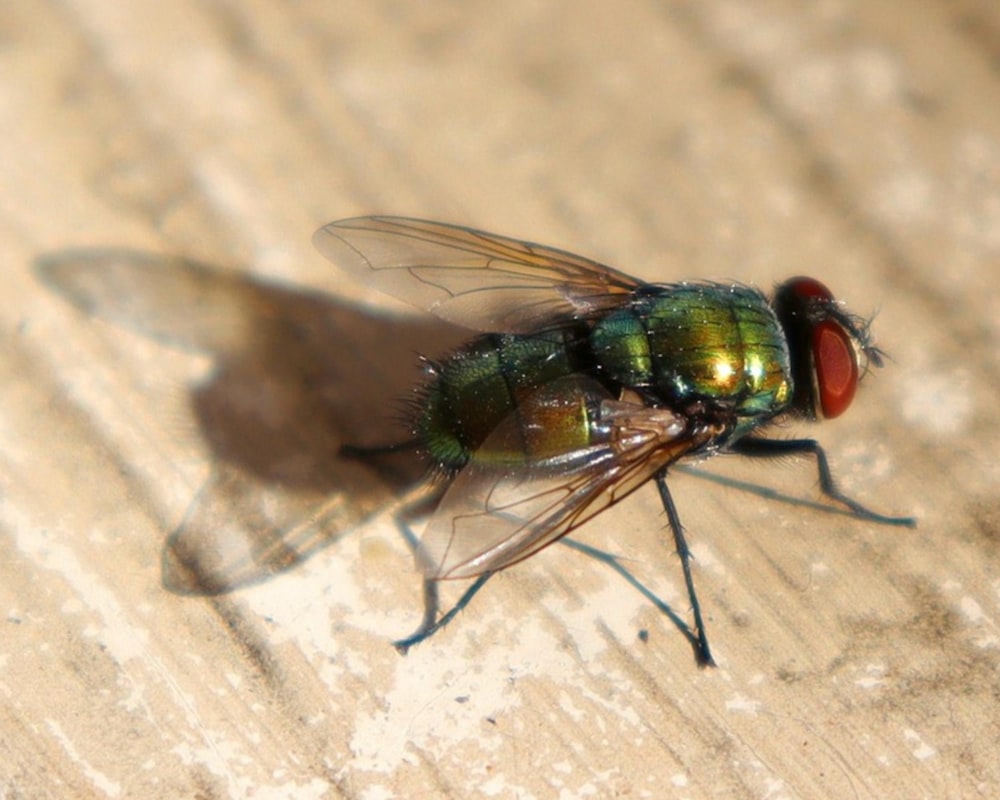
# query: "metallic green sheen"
{"type": "Point", "coordinates": [707, 349]}
{"type": "Point", "coordinates": [486, 383]}
{"type": "Point", "coordinates": [686, 343]}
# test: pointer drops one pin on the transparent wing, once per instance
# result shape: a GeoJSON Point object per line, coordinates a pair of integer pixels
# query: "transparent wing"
{"type": "Point", "coordinates": [490, 517]}
{"type": "Point", "coordinates": [478, 280]}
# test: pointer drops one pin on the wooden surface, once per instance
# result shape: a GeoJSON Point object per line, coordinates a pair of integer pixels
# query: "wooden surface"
{"type": "Point", "coordinates": [164, 166]}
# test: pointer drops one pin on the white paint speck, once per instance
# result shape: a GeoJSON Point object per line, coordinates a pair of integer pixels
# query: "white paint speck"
{"type": "Point", "coordinates": [100, 781]}
{"type": "Point", "coordinates": [921, 750]}
{"type": "Point", "coordinates": [743, 704]}
{"type": "Point", "coordinates": [972, 610]}
{"type": "Point", "coordinates": [570, 708]}
{"type": "Point", "coordinates": [377, 792]}
{"type": "Point", "coordinates": [873, 678]}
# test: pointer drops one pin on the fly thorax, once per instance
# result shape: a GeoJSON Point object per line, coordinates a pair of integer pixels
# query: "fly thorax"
{"type": "Point", "coordinates": [621, 348]}
{"type": "Point", "coordinates": [711, 343]}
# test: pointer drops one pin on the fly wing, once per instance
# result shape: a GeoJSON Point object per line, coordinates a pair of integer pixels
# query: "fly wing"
{"type": "Point", "coordinates": [478, 280]}
{"type": "Point", "coordinates": [490, 517]}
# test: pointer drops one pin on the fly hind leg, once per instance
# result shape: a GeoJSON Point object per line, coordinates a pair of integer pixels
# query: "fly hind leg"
{"type": "Point", "coordinates": [419, 504]}
{"type": "Point", "coordinates": [431, 623]}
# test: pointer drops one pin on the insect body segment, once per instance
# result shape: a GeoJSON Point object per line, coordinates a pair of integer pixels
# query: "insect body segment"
{"type": "Point", "coordinates": [491, 378]}
{"type": "Point", "coordinates": [715, 344]}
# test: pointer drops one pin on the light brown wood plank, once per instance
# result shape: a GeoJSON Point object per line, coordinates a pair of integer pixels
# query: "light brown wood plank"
{"type": "Point", "coordinates": [225, 361]}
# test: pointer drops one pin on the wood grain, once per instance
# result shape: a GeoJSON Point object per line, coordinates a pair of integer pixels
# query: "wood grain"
{"type": "Point", "coordinates": [198, 597]}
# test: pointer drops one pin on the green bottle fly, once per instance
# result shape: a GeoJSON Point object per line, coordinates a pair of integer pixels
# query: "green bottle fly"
{"type": "Point", "coordinates": [585, 383]}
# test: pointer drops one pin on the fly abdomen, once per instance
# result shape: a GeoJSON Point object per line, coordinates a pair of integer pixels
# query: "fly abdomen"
{"type": "Point", "coordinates": [475, 402]}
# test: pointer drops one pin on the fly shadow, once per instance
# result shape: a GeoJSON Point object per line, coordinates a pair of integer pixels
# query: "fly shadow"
{"type": "Point", "coordinates": [295, 375]}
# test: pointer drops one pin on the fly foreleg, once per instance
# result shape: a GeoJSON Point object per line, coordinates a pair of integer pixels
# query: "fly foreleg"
{"type": "Point", "coordinates": [778, 448]}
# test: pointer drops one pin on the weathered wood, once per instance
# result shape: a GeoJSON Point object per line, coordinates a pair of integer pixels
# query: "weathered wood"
{"type": "Point", "coordinates": [223, 362]}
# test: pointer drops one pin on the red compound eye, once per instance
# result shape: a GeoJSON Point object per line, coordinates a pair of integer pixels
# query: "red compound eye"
{"type": "Point", "coordinates": [805, 288]}
{"type": "Point", "coordinates": [836, 366]}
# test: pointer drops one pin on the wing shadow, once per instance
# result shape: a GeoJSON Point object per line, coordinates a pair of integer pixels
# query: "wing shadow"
{"type": "Point", "coordinates": [296, 374]}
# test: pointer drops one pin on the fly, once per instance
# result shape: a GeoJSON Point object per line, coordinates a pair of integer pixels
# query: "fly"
{"type": "Point", "coordinates": [584, 384]}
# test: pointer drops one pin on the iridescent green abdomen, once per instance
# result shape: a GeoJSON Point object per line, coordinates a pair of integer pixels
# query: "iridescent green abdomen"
{"type": "Point", "coordinates": [688, 343]}
{"type": "Point", "coordinates": [485, 384]}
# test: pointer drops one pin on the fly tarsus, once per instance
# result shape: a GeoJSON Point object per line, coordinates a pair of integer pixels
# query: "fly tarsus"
{"type": "Point", "coordinates": [703, 653]}
{"type": "Point", "coordinates": [430, 623]}
{"type": "Point", "coordinates": [778, 448]}
{"type": "Point", "coordinates": [696, 642]}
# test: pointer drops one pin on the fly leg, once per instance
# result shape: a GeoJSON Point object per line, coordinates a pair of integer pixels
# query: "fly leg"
{"type": "Point", "coordinates": [430, 624]}
{"type": "Point", "coordinates": [614, 563]}
{"type": "Point", "coordinates": [420, 503]}
{"type": "Point", "coordinates": [777, 448]}
{"type": "Point", "coordinates": [702, 652]}
{"type": "Point", "coordinates": [368, 452]}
